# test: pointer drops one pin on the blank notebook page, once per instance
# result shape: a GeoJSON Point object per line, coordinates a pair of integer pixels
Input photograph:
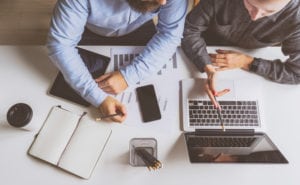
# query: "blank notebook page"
{"type": "Point", "coordinates": [54, 135]}
{"type": "Point", "coordinates": [85, 147]}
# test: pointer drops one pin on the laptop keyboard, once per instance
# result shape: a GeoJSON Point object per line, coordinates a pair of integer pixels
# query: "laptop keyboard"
{"type": "Point", "coordinates": [234, 113]}
{"type": "Point", "coordinates": [221, 141]}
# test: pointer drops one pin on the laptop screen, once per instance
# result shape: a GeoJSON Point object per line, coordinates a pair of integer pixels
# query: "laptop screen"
{"type": "Point", "coordinates": [255, 148]}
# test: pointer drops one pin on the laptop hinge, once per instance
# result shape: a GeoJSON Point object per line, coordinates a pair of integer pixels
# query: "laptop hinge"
{"type": "Point", "coordinates": [226, 132]}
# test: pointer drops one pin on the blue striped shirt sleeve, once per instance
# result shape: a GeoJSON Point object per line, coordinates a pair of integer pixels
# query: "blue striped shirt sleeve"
{"type": "Point", "coordinates": [67, 25]}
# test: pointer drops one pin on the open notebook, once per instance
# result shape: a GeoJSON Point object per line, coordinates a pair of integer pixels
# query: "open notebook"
{"type": "Point", "coordinates": [70, 141]}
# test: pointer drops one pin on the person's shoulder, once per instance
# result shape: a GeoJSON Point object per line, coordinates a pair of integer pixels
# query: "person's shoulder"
{"type": "Point", "coordinates": [297, 7]}
{"type": "Point", "coordinates": [68, 5]}
{"type": "Point", "coordinates": [293, 7]}
{"type": "Point", "coordinates": [219, 2]}
{"type": "Point", "coordinates": [293, 12]}
{"type": "Point", "coordinates": [290, 14]}
{"type": "Point", "coordinates": [104, 3]}
{"type": "Point", "coordinates": [178, 2]}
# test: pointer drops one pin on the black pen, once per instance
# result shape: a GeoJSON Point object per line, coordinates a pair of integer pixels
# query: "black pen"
{"type": "Point", "coordinates": [109, 116]}
{"type": "Point", "coordinates": [219, 114]}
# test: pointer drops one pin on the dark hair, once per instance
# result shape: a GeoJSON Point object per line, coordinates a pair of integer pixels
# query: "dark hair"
{"type": "Point", "coordinates": [144, 5]}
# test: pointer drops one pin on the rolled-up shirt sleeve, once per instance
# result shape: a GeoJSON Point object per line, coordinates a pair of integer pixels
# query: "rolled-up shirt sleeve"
{"type": "Point", "coordinates": [162, 45]}
{"type": "Point", "coordinates": [67, 25]}
{"type": "Point", "coordinates": [287, 72]}
{"type": "Point", "coordinates": [193, 44]}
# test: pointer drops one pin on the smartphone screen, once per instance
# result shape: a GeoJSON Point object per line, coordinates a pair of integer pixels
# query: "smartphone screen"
{"type": "Point", "coordinates": [148, 103]}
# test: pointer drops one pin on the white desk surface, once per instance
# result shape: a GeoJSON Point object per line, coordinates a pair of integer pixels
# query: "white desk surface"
{"type": "Point", "coordinates": [26, 74]}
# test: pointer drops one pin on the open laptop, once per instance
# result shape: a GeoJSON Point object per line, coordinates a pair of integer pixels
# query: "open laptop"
{"type": "Point", "coordinates": [243, 139]}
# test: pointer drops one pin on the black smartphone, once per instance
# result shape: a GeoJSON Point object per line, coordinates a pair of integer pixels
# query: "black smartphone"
{"type": "Point", "coordinates": [148, 103]}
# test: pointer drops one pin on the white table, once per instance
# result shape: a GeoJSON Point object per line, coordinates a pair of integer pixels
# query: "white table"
{"type": "Point", "coordinates": [26, 74]}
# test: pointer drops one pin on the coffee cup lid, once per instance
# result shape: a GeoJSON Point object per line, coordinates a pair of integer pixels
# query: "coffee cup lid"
{"type": "Point", "coordinates": [19, 115]}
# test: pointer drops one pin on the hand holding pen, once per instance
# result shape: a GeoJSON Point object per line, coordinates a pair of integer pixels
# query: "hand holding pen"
{"type": "Point", "coordinates": [111, 109]}
{"type": "Point", "coordinates": [109, 116]}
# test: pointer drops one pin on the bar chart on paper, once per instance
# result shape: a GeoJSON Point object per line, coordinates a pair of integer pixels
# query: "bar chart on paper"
{"type": "Point", "coordinates": [124, 56]}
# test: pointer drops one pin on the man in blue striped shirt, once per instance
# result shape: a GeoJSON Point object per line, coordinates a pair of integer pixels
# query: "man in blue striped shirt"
{"type": "Point", "coordinates": [113, 18]}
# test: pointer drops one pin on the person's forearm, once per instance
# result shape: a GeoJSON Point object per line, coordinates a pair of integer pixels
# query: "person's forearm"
{"type": "Point", "coordinates": [67, 25]}
{"type": "Point", "coordinates": [282, 72]}
{"type": "Point", "coordinates": [197, 54]}
{"type": "Point", "coordinates": [76, 74]}
{"type": "Point", "coordinates": [247, 62]}
{"type": "Point", "coordinates": [193, 44]}
{"type": "Point", "coordinates": [162, 46]}
{"type": "Point", "coordinates": [151, 60]}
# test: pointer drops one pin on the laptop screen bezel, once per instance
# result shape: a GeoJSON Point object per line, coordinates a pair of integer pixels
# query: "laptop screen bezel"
{"type": "Point", "coordinates": [242, 159]}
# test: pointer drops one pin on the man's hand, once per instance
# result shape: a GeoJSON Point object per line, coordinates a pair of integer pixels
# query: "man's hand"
{"type": "Point", "coordinates": [210, 85]}
{"type": "Point", "coordinates": [112, 83]}
{"type": "Point", "coordinates": [112, 106]}
{"type": "Point", "coordinates": [227, 59]}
